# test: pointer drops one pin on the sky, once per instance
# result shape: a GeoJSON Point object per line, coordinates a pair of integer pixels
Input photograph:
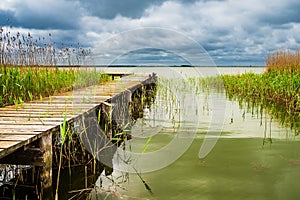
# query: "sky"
{"type": "Point", "coordinates": [159, 32]}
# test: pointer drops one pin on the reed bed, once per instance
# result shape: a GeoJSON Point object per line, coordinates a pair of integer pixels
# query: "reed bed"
{"type": "Point", "coordinates": [278, 87]}
{"type": "Point", "coordinates": [27, 50]}
{"type": "Point", "coordinates": [284, 61]}
{"type": "Point", "coordinates": [19, 84]}
{"type": "Point", "coordinates": [29, 67]}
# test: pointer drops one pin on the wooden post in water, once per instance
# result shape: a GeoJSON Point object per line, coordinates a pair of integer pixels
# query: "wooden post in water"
{"type": "Point", "coordinates": [107, 119]}
{"type": "Point", "coordinates": [127, 100]}
{"type": "Point", "coordinates": [45, 144]}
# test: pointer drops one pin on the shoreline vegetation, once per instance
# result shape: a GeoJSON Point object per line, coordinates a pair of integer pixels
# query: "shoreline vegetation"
{"type": "Point", "coordinates": [19, 84]}
{"type": "Point", "coordinates": [277, 89]}
{"type": "Point", "coordinates": [30, 68]}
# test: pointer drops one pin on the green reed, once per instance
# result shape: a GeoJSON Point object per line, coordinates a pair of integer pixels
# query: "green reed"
{"type": "Point", "coordinates": [19, 84]}
{"type": "Point", "coordinates": [282, 88]}
{"type": "Point", "coordinates": [279, 90]}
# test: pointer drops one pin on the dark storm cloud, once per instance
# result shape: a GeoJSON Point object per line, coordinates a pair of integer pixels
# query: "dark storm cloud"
{"type": "Point", "coordinates": [281, 13]}
{"type": "Point", "coordinates": [151, 56]}
{"type": "Point", "coordinates": [46, 14]}
{"type": "Point", "coordinates": [109, 9]}
{"type": "Point", "coordinates": [7, 18]}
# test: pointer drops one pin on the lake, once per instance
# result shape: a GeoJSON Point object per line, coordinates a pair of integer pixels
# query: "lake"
{"type": "Point", "coordinates": [194, 143]}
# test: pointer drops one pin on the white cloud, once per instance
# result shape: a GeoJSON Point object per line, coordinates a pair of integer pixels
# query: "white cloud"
{"type": "Point", "coordinates": [6, 4]}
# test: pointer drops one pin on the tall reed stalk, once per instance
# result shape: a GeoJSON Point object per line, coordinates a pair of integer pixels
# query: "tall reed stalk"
{"type": "Point", "coordinates": [284, 60]}
{"type": "Point", "coordinates": [25, 50]}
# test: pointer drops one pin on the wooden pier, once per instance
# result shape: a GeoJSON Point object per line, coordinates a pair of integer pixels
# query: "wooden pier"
{"type": "Point", "coordinates": [25, 123]}
{"type": "Point", "coordinates": [30, 131]}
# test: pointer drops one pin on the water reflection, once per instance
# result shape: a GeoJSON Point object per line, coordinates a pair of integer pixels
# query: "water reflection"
{"type": "Point", "coordinates": [256, 157]}
{"type": "Point", "coordinates": [262, 109]}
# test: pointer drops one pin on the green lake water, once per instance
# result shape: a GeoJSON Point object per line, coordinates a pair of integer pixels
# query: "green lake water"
{"type": "Point", "coordinates": [255, 157]}
{"type": "Point", "coordinates": [235, 169]}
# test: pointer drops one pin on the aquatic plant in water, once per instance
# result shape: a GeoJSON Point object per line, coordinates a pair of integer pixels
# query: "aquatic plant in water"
{"type": "Point", "coordinates": [277, 89]}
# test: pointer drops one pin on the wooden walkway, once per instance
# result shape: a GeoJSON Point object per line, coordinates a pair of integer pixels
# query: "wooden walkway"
{"type": "Point", "coordinates": [20, 125]}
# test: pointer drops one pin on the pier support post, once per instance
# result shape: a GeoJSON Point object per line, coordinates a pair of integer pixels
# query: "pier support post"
{"type": "Point", "coordinates": [107, 119]}
{"type": "Point", "coordinates": [45, 144]}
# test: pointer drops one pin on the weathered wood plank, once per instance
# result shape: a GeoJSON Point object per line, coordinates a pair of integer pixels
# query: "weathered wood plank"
{"type": "Point", "coordinates": [8, 144]}
{"type": "Point", "coordinates": [30, 122]}
{"type": "Point", "coordinates": [71, 101]}
{"type": "Point", "coordinates": [30, 115]}
{"type": "Point", "coordinates": [39, 128]}
{"type": "Point", "coordinates": [46, 112]}
{"type": "Point", "coordinates": [16, 137]}
{"type": "Point", "coordinates": [33, 119]}
{"type": "Point", "coordinates": [20, 132]}
{"type": "Point", "coordinates": [48, 107]}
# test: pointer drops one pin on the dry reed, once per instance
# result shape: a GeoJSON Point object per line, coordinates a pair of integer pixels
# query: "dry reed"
{"type": "Point", "coordinates": [284, 60]}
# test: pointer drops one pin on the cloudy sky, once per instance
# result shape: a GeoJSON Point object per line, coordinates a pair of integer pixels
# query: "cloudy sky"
{"type": "Point", "coordinates": [232, 32]}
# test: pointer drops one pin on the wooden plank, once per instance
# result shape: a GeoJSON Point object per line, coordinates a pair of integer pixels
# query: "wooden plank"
{"type": "Point", "coordinates": [93, 100]}
{"type": "Point", "coordinates": [16, 137]}
{"type": "Point", "coordinates": [8, 144]}
{"type": "Point", "coordinates": [25, 119]}
{"type": "Point", "coordinates": [30, 115]}
{"type": "Point", "coordinates": [40, 128]}
{"type": "Point", "coordinates": [20, 132]}
{"type": "Point", "coordinates": [30, 122]}
{"type": "Point", "coordinates": [96, 95]}
{"type": "Point", "coordinates": [46, 112]}
{"type": "Point", "coordinates": [50, 107]}
{"type": "Point", "coordinates": [43, 105]}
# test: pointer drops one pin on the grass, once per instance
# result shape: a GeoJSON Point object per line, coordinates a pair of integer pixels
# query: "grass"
{"type": "Point", "coordinates": [20, 84]}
